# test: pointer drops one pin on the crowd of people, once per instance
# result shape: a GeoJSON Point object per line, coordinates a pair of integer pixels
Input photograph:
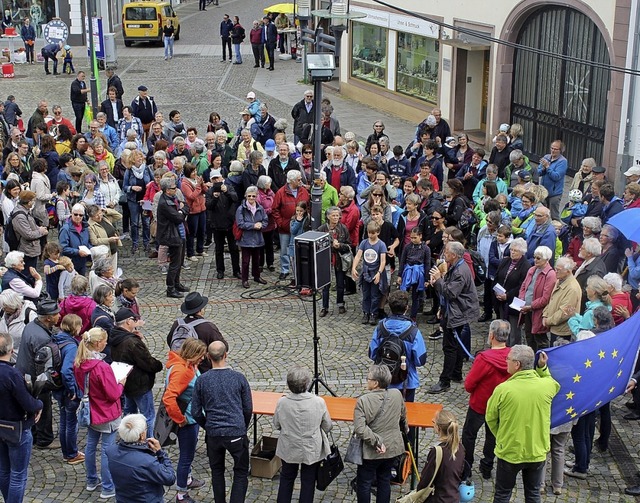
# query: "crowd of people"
{"type": "Point", "coordinates": [468, 235]}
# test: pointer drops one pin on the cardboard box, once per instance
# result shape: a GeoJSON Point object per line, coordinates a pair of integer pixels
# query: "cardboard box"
{"type": "Point", "coordinates": [262, 467]}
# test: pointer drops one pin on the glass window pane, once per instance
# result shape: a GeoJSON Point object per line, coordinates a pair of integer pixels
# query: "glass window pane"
{"type": "Point", "coordinates": [369, 47]}
{"type": "Point", "coordinates": [418, 65]}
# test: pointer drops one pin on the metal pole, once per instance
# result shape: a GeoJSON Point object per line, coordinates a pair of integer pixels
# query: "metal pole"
{"type": "Point", "coordinates": [316, 191]}
{"type": "Point", "coordinates": [92, 55]}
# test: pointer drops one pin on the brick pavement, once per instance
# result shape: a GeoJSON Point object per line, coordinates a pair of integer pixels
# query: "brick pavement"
{"type": "Point", "coordinates": [269, 329]}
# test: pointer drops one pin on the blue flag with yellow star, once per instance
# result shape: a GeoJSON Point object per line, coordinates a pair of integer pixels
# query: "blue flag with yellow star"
{"type": "Point", "coordinates": [594, 371]}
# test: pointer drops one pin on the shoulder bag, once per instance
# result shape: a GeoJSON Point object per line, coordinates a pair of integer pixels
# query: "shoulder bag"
{"type": "Point", "coordinates": [354, 449]}
{"type": "Point", "coordinates": [10, 432]}
{"type": "Point", "coordinates": [84, 411]}
{"type": "Point", "coordinates": [329, 468]}
{"type": "Point", "coordinates": [422, 495]}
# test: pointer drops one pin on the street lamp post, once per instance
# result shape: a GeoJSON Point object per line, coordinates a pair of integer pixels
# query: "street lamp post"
{"type": "Point", "coordinates": [93, 85]}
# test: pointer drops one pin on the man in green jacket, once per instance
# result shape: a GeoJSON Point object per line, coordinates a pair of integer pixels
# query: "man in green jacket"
{"type": "Point", "coordinates": [519, 415]}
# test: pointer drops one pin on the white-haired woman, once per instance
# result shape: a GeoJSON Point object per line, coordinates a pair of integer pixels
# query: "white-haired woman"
{"type": "Point", "coordinates": [612, 254]}
{"type": "Point", "coordinates": [15, 314]}
{"type": "Point", "coordinates": [265, 199]}
{"type": "Point", "coordinates": [251, 218]}
{"type": "Point", "coordinates": [303, 421]}
{"type": "Point", "coordinates": [591, 227]}
{"type": "Point", "coordinates": [592, 264]}
{"type": "Point", "coordinates": [566, 292]}
{"type": "Point", "coordinates": [139, 466]}
{"type": "Point", "coordinates": [26, 283]}
{"type": "Point", "coordinates": [597, 295]}
{"type": "Point", "coordinates": [621, 305]}
{"type": "Point", "coordinates": [536, 292]}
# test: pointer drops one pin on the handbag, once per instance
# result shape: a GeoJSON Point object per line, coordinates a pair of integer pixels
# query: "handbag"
{"type": "Point", "coordinates": [84, 410]}
{"type": "Point", "coordinates": [329, 468]}
{"type": "Point", "coordinates": [354, 449]}
{"type": "Point", "coordinates": [122, 200]}
{"type": "Point", "coordinates": [422, 495]}
{"type": "Point", "coordinates": [10, 432]}
{"type": "Point", "coordinates": [165, 429]}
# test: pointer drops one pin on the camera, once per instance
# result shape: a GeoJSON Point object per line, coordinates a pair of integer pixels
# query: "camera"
{"type": "Point", "coordinates": [217, 187]}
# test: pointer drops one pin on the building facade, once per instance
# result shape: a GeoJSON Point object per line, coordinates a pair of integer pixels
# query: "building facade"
{"type": "Point", "coordinates": [407, 65]}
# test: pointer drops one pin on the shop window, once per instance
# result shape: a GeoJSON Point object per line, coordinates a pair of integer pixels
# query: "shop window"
{"type": "Point", "coordinates": [369, 46]}
{"type": "Point", "coordinates": [39, 11]}
{"type": "Point", "coordinates": [418, 66]}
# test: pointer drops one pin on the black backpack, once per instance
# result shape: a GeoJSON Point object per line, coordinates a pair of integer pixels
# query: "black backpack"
{"type": "Point", "coordinates": [183, 332]}
{"type": "Point", "coordinates": [48, 365]}
{"type": "Point", "coordinates": [392, 349]}
{"type": "Point", "coordinates": [479, 267]}
{"type": "Point", "coordinates": [10, 236]}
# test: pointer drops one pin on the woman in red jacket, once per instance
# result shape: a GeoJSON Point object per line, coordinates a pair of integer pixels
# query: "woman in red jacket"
{"type": "Point", "coordinates": [181, 378]}
{"type": "Point", "coordinates": [194, 190]}
{"type": "Point", "coordinates": [104, 401]}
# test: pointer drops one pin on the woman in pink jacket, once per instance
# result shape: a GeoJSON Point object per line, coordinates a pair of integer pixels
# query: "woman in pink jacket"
{"type": "Point", "coordinates": [536, 292]}
{"type": "Point", "coordinates": [104, 402]}
{"type": "Point", "coordinates": [194, 190]}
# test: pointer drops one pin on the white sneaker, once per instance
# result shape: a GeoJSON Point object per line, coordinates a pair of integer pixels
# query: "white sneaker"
{"type": "Point", "coordinates": [203, 254]}
{"type": "Point", "coordinates": [164, 269]}
{"type": "Point", "coordinates": [93, 487]}
{"type": "Point", "coordinates": [193, 259]}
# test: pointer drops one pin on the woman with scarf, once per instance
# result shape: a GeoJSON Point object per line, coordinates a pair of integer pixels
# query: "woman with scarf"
{"type": "Point", "coordinates": [101, 153]}
{"type": "Point", "coordinates": [251, 218]}
{"type": "Point", "coordinates": [135, 181]}
{"type": "Point", "coordinates": [103, 315]}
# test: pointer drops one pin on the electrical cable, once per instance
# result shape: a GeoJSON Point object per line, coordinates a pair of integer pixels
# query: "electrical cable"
{"type": "Point", "coordinates": [513, 45]}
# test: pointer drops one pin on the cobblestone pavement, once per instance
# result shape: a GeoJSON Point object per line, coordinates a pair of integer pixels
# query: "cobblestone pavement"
{"type": "Point", "coordinates": [269, 329]}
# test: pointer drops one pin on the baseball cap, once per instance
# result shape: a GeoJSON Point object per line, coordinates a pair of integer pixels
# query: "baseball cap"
{"type": "Point", "coordinates": [125, 313]}
{"type": "Point", "coordinates": [633, 170]}
{"type": "Point", "coordinates": [215, 173]}
{"type": "Point", "coordinates": [524, 175]}
{"type": "Point", "coordinates": [504, 128]}
{"type": "Point", "coordinates": [245, 112]}
{"type": "Point", "coordinates": [142, 88]}
{"type": "Point", "coordinates": [599, 169]}
{"type": "Point", "coordinates": [251, 95]}
{"type": "Point", "coordinates": [270, 145]}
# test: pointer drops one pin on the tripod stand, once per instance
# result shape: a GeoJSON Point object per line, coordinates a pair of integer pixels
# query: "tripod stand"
{"type": "Point", "coordinates": [316, 342]}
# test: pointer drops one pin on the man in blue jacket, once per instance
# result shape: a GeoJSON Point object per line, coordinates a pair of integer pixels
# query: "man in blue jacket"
{"type": "Point", "coordinates": [544, 233]}
{"type": "Point", "coordinates": [225, 34]}
{"type": "Point", "coordinates": [552, 170]}
{"type": "Point", "coordinates": [398, 324]}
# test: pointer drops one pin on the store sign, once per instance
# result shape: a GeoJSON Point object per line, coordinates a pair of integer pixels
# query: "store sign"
{"type": "Point", "coordinates": [399, 23]}
{"type": "Point", "coordinates": [55, 31]}
{"type": "Point", "coordinates": [414, 25]}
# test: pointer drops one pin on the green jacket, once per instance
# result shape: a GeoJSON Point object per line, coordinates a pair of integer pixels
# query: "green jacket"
{"type": "Point", "coordinates": [200, 162]}
{"type": "Point", "coordinates": [519, 415]}
{"type": "Point", "coordinates": [329, 198]}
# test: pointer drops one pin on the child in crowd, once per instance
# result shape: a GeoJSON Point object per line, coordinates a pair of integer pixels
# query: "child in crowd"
{"type": "Point", "coordinates": [373, 281]}
{"type": "Point", "coordinates": [413, 272]}
{"type": "Point", "coordinates": [389, 236]}
{"type": "Point", "coordinates": [63, 209]}
{"type": "Point", "coordinates": [300, 222]}
{"type": "Point", "coordinates": [52, 268]}
{"type": "Point", "coordinates": [67, 56]}
{"type": "Point", "coordinates": [64, 283]}
{"type": "Point", "coordinates": [126, 291]}
{"type": "Point", "coordinates": [574, 208]}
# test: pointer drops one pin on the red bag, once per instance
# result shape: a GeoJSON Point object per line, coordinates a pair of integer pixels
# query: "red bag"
{"type": "Point", "coordinates": [237, 231]}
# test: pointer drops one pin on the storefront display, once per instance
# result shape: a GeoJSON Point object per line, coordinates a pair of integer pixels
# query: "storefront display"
{"type": "Point", "coordinates": [418, 65]}
{"type": "Point", "coordinates": [40, 12]}
{"type": "Point", "coordinates": [369, 50]}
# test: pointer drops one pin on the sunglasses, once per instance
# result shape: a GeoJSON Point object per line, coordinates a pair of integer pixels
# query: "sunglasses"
{"type": "Point", "coordinates": [78, 214]}
{"type": "Point", "coordinates": [307, 152]}
{"type": "Point", "coordinates": [252, 197]}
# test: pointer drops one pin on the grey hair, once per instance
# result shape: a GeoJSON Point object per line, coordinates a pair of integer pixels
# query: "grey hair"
{"type": "Point", "coordinates": [101, 293]}
{"type": "Point", "coordinates": [322, 175]}
{"type": "Point", "coordinates": [516, 155]}
{"type": "Point", "coordinates": [292, 175]}
{"type": "Point", "coordinates": [589, 161]}
{"type": "Point", "coordinates": [198, 146]}
{"type": "Point", "coordinates": [603, 318]}
{"type": "Point", "coordinates": [255, 155]}
{"type": "Point", "coordinates": [523, 354]}
{"type": "Point", "coordinates": [102, 265]}
{"type": "Point", "coordinates": [380, 373]}
{"type": "Point", "coordinates": [593, 223]}
{"type": "Point", "coordinates": [180, 139]}
{"type": "Point", "coordinates": [565, 263]}
{"type": "Point", "coordinates": [414, 199]}
{"type": "Point", "coordinates": [263, 106]}
{"type": "Point", "coordinates": [130, 146]}
{"type": "Point", "coordinates": [160, 154]}
{"type": "Point", "coordinates": [131, 133]}
{"type": "Point", "coordinates": [77, 208]}
{"type": "Point", "coordinates": [592, 246]}
{"type": "Point", "coordinates": [13, 258]}
{"type": "Point", "coordinates": [166, 184]}
{"type": "Point", "coordinates": [614, 280]}
{"type": "Point", "coordinates": [500, 330]}
{"type": "Point", "coordinates": [251, 189]}
{"type": "Point", "coordinates": [79, 285]}
{"type": "Point", "coordinates": [11, 299]}
{"type": "Point", "coordinates": [298, 379]}
{"type": "Point", "coordinates": [132, 427]}
{"type": "Point", "coordinates": [245, 130]}
{"type": "Point", "coordinates": [6, 344]}
{"type": "Point", "coordinates": [598, 285]}
{"type": "Point", "coordinates": [332, 209]}
{"type": "Point", "coordinates": [611, 230]}
{"type": "Point", "coordinates": [348, 191]}
{"type": "Point", "coordinates": [263, 181]}
{"type": "Point", "coordinates": [182, 160]}
{"type": "Point", "coordinates": [493, 169]}
{"type": "Point", "coordinates": [221, 132]}
{"type": "Point", "coordinates": [329, 149]}
{"type": "Point", "coordinates": [97, 141]}
{"type": "Point", "coordinates": [545, 251]}
{"type": "Point", "coordinates": [519, 244]}
{"type": "Point", "coordinates": [456, 248]}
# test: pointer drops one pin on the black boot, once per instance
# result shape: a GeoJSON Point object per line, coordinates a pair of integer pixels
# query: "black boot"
{"type": "Point", "coordinates": [181, 288]}
{"type": "Point", "coordinates": [174, 294]}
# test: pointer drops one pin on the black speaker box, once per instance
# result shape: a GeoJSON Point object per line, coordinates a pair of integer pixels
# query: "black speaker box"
{"type": "Point", "coordinates": [313, 260]}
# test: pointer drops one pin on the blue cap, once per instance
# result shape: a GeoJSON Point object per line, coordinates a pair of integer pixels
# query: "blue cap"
{"type": "Point", "coordinates": [270, 145]}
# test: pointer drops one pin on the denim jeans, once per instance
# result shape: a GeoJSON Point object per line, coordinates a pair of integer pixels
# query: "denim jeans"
{"type": "Point", "coordinates": [187, 441]}
{"type": "Point", "coordinates": [168, 47]}
{"type": "Point", "coordinates": [370, 298]}
{"type": "Point", "coordinates": [286, 253]}
{"type": "Point", "coordinates": [14, 465]}
{"type": "Point", "coordinates": [143, 404]}
{"type": "Point", "coordinates": [136, 215]}
{"type": "Point", "coordinates": [197, 227]}
{"type": "Point", "coordinates": [288, 477]}
{"type": "Point", "coordinates": [68, 426]}
{"type": "Point", "coordinates": [339, 290]}
{"type": "Point", "coordinates": [236, 49]}
{"type": "Point", "coordinates": [582, 435]}
{"type": "Point", "coordinates": [105, 439]}
{"type": "Point", "coordinates": [506, 474]}
{"type": "Point", "coordinates": [238, 447]}
{"type": "Point", "coordinates": [380, 470]}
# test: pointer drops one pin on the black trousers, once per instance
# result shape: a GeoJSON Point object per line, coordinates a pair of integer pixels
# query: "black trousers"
{"type": "Point", "coordinates": [78, 110]}
{"type": "Point", "coordinates": [453, 355]}
{"type": "Point", "coordinates": [43, 429]}
{"type": "Point", "coordinates": [50, 56]}
{"type": "Point", "coordinates": [176, 257]}
{"type": "Point", "coordinates": [238, 447]}
{"type": "Point", "coordinates": [226, 45]}
{"type": "Point", "coordinates": [288, 477]}
{"type": "Point", "coordinates": [271, 49]}
{"type": "Point", "coordinates": [472, 425]}
{"type": "Point", "coordinates": [267, 251]}
{"type": "Point", "coordinates": [202, 4]}
{"type": "Point", "coordinates": [506, 474]}
{"type": "Point", "coordinates": [219, 237]}
{"type": "Point", "coordinates": [258, 54]}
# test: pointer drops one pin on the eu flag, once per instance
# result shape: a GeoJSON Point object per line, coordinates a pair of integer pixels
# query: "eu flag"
{"type": "Point", "coordinates": [593, 372]}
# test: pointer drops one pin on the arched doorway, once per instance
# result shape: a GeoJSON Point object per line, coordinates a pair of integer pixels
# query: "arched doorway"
{"type": "Point", "coordinates": [553, 98]}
